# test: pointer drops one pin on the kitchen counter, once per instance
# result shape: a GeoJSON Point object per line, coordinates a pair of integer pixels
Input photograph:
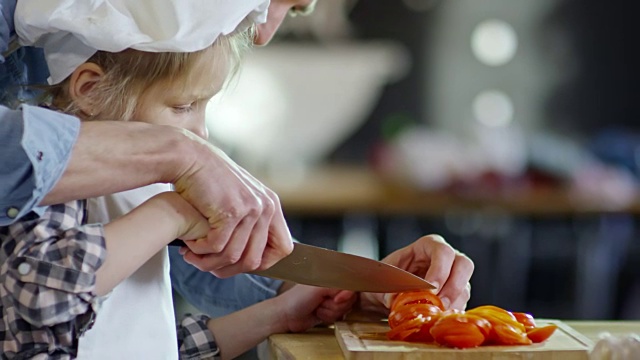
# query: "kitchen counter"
{"type": "Point", "coordinates": [324, 202]}
{"type": "Point", "coordinates": [321, 344]}
{"type": "Point", "coordinates": [336, 190]}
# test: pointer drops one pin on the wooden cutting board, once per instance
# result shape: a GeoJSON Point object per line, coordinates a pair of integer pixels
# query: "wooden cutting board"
{"type": "Point", "coordinates": [367, 341]}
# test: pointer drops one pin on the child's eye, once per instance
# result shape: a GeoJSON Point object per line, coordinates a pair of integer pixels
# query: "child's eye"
{"type": "Point", "coordinates": [183, 108]}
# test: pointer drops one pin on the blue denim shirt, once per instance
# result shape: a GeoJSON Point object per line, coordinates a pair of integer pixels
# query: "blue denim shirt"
{"type": "Point", "coordinates": [35, 144]}
{"type": "Point", "coordinates": [214, 296]}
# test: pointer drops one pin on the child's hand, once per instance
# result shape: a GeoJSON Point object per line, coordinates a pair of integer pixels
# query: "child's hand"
{"type": "Point", "coordinates": [303, 307]}
{"type": "Point", "coordinates": [190, 224]}
{"type": "Point", "coordinates": [195, 226]}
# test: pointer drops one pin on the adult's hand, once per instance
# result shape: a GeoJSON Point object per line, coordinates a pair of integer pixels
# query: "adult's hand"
{"type": "Point", "coordinates": [248, 229]}
{"type": "Point", "coordinates": [433, 259]}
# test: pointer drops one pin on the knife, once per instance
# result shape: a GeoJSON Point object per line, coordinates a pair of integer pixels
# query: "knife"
{"type": "Point", "coordinates": [312, 265]}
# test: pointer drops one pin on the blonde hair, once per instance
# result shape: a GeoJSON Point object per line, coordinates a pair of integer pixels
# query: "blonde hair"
{"type": "Point", "coordinates": [129, 73]}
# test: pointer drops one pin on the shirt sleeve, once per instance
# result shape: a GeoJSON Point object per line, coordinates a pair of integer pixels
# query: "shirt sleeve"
{"type": "Point", "coordinates": [7, 8]}
{"type": "Point", "coordinates": [35, 148]}
{"type": "Point", "coordinates": [214, 296]}
{"type": "Point", "coordinates": [49, 274]}
{"type": "Point", "coordinates": [195, 340]}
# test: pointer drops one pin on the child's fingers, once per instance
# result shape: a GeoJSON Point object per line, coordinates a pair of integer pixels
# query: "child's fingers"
{"type": "Point", "coordinates": [328, 315]}
{"type": "Point", "coordinates": [344, 296]}
{"type": "Point", "coordinates": [335, 306]}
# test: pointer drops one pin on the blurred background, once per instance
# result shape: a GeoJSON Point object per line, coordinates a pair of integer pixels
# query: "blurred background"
{"type": "Point", "coordinates": [507, 126]}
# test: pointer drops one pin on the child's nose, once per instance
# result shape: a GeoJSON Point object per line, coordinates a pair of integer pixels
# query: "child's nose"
{"type": "Point", "coordinates": [201, 130]}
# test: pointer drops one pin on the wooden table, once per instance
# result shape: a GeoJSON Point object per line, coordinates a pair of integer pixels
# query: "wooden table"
{"type": "Point", "coordinates": [321, 344]}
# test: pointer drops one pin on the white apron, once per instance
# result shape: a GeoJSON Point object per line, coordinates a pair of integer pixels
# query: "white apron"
{"type": "Point", "coordinates": [137, 319]}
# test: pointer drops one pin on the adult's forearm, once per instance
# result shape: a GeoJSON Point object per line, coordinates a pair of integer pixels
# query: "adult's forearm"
{"type": "Point", "coordinates": [110, 157]}
{"type": "Point", "coordinates": [114, 156]}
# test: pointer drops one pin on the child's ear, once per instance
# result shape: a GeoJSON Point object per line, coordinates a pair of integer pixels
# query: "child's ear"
{"type": "Point", "coordinates": [82, 81]}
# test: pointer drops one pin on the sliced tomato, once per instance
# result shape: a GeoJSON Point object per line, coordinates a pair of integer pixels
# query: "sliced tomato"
{"type": "Point", "coordinates": [416, 297]}
{"type": "Point", "coordinates": [461, 330]}
{"type": "Point", "coordinates": [483, 324]}
{"type": "Point", "coordinates": [506, 330]}
{"type": "Point", "coordinates": [408, 312]}
{"type": "Point", "coordinates": [424, 334]}
{"type": "Point", "coordinates": [540, 334]}
{"type": "Point", "coordinates": [470, 339]}
{"type": "Point", "coordinates": [397, 317]}
{"type": "Point", "coordinates": [497, 315]}
{"type": "Point", "coordinates": [402, 335]}
{"type": "Point", "coordinates": [405, 329]}
{"type": "Point", "coordinates": [494, 310]}
{"type": "Point", "coordinates": [506, 334]}
{"type": "Point", "coordinates": [420, 317]}
{"type": "Point", "coordinates": [525, 319]}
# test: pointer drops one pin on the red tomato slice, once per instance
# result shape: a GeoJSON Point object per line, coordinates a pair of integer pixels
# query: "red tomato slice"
{"type": "Point", "coordinates": [494, 310]}
{"type": "Point", "coordinates": [420, 317]}
{"type": "Point", "coordinates": [408, 312]}
{"type": "Point", "coordinates": [405, 329]}
{"type": "Point", "coordinates": [497, 315]}
{"type": "Point", "coordinates": [424, 334]}
{"type": "Point", "coordinates": [416, 297]}
{"type": "Point", "coordinates": [525, 319]}
{"type": "Point", "coordinates": [506, 329]}
{"type": "Point", "coordinates": [462, 341]}
{"type": "Point", "coordinates": [461, 330]}
{"type": "Point", "coordinates": [505, 334]}
{"type": "Point", "coordinates": [540, 334]}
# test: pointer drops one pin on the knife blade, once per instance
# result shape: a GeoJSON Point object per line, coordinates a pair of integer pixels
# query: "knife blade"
{"type": "Point", "coordinates": [312, 265]}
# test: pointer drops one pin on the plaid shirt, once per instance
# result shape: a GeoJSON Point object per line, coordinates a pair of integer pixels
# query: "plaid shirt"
{"type": "Point", "coordinates": [47, 271]}
{"type": "Point", "coordinates": [47, 276]}
{"type": "Point", "coordinates": [195, 341]}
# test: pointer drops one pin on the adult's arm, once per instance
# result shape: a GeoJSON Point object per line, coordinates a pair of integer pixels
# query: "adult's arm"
{"type": "Point", "coordinates": [248, 230]}
{"type": "Point", "coordinates": [50, 158]}
{"type": "Point", "coordinates": [35, 145]}
{"type": "Point", "coordinates": [114, 156]}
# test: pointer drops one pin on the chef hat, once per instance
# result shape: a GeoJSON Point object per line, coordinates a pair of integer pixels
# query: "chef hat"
{"type": "Point", "coordinates": [71, 31]}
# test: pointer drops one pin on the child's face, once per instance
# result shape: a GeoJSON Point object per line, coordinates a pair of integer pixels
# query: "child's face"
{"type": "Point", "coordinates": [183, 104]}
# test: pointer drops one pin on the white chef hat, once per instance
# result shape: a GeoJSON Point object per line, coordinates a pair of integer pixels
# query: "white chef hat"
{"type": "Point", "coordinates": [71, 31]}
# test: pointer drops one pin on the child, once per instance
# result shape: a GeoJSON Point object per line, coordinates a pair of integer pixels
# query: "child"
{"type": "Point", "coordinates": [55, 268]}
